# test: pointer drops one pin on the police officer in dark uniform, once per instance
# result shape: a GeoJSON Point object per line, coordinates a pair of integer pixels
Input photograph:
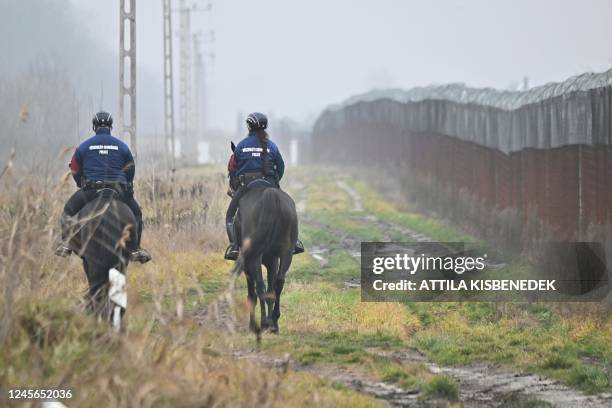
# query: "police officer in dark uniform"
{"type": "Point", "coordinates": [255, 157]}
{"type": "Point", "coordinates": [102, 161]}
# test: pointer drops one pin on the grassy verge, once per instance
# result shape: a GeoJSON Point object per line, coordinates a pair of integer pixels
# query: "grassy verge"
{"type": "Point", "coordinates": [168, 359]}
{"type": "Point", "coordinates": [331, 326]}
{"type": "Point", "coordinates": [572, 343]}
{"type": "Point", "coordinates": [165, 358]}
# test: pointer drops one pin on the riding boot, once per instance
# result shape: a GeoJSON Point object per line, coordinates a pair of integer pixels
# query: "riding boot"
{"type": "Point", "coordinates": [139, 254]}
{"type": "Point", "coordinates": [63, 248]}
{"type": "Point", "coordinates": [138, 232]}
{"type": "Point", "coordinates": [232, 251]}
{"type": "Point", "coordinates": [299, 247]}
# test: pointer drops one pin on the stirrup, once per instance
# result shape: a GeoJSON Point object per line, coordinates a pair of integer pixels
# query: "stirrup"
{"type": "Point", "coordinates": [63, 250]}
{"type": "Point", "coordinates": [232, 252]}
{"type": "Point", "coordinates": [299, 247]}
{"type": "Point", "coordinates": [140, 255]}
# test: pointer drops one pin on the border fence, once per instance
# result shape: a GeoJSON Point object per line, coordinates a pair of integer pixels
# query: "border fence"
{"type": "Point", "coordinates": [546, 151]}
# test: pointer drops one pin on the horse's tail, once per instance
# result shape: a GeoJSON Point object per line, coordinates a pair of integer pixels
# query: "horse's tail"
{"type": "Point", "coordinates": [269, 224]}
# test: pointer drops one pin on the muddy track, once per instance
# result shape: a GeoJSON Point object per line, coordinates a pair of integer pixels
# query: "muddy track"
{"type": "Point", "coordinates": [484, 385]}
{"type": "Point", "coordinates": [355, 197]}
{"type": "Point", "coordinates": [219, 315]}
{"type": "Point", "coordinates": [352, 378]}
{"type": "Point", "coordinates": [479, 385]}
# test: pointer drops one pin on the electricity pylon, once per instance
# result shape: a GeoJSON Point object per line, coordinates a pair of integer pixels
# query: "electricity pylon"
{"type": "Point", "coordinates": [169, 85]}
{"type": "Point", "coordinates": [127, 58]}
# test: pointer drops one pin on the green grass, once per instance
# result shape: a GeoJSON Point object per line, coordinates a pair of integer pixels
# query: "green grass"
{"type": "Point", "coordinates": [330, 326]}
{"type": "Point", "coordinates": [436, 229]}
{"type": "Point", "coordinates": [349, 348]}
{"type": "Point", "coordinates": [442, 387]}
{"type": "Point", "coordinates": [529, 337]}
{"type": "Point", "coordinates": [588, 378]}
{"type": "Point", "coordinates": [312, 236]}
{"type": "Point", "coordinates": [350, 224]}
{"type": "Point", "coordinates": [532, 337]}
{"type": "Point", "coordinates": [399, 377]}
{"type": "Point", "coordinates": [54, 342]}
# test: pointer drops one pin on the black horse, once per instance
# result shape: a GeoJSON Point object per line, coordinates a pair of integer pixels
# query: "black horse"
{"type": "Point", "coordinates": [269, 230]}
{"type": "Point", "coordinates": [101, 234]}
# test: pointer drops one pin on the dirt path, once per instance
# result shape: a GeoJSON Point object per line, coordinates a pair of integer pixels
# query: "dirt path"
{"type": "Point", "coordinates": [479, 385]}
{"type": "Point", "coordinates": [483, 385]}
{"type": "Point", "coordinates": [488, 386]}
{"type": "Point", "coordinates": [355, 197]}
{"type": "Point", "coordinates": [352, 378]}
{"type": "Point", "coordinates": [220, 316]}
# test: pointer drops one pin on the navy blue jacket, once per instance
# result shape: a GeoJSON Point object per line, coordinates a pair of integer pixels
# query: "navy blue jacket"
{"type": "Point", "coordinates": [248, 157]}
{"type": "Point", "coordinates": [103, 157]}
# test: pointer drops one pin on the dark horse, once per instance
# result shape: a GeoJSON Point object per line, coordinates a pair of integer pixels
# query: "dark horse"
{"type": "Point", "coordinates": [100, 236]}
{"type": "Point", "coordinates": [269, 229]}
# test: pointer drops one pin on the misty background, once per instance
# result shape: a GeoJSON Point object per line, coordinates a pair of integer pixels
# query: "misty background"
{"type": "Point", "coordinates": [286, 58]}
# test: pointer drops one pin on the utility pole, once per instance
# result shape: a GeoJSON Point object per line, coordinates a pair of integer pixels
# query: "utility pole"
{"type": "Point", "coordinates": [168, 85]}
{"type": "Point", "coordinates": [185, 80]}
{"type": "Point", "coordinates": [199, 78]}
{"type": "Point", "coordinates": [127, 58]}
{"type": "Point", "coordinates": [188, 93]}
{"type": "Point", "coordinates": [198, 82]}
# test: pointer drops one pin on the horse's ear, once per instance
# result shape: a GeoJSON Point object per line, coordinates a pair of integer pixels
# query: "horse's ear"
{"type": "Point", "coordinates": [233, 146]}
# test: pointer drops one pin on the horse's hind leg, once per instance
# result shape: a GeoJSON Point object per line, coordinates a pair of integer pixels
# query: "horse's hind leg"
{"type": "Point", "coordinates": [279, 283]}
{"type": "Point", "coordinates": [272, 264]}
{"type": "Point", "coordinates": [96, 296]}
{"type": "Point", "coordinates": [252, 299]}
{"type": "Point", "coordinates": [260, 289]}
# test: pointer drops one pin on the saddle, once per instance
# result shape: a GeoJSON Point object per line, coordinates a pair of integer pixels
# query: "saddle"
{"type": "Point", "coordinates": [256, 180]}
{"type": "Point", "coordinates": [108, 192]}
{"type": "Point", "coordinates": [107, 189]}
{"type": "Point", "coordinates": [106, 185]}
{"type": "Point", "coordinates": [260, 183]}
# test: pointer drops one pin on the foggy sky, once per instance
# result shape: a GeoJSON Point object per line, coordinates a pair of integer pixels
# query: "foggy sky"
{"type": "Point", "coordinates": [293, 58]}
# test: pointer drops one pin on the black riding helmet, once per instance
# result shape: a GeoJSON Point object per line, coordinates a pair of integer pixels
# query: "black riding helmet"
{"type": "Point", "coordinates": [256, 121]}
{"type": "Point", "coordinates": [102, 119]}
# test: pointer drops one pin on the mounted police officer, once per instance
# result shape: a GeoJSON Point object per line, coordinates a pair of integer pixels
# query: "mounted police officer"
{"type": "Point", "coordinates": [255, 158]}
{"type": "Point", "coordinates": [102, 161]}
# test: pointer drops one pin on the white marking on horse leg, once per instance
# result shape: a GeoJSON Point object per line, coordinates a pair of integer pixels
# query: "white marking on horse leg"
{"type": "Point", "coordinates": [117, 319]}
{"type": "Point", "coordinates": [117, 294]}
